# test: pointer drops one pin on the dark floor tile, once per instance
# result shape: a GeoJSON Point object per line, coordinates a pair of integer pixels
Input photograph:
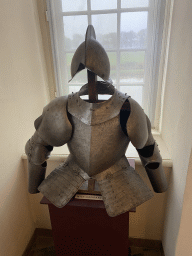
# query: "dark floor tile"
{"type": "Point", "coordinates": [139, 251]}
{"type": "Point", "coordinates": [50, 251]}
{"type": "Point", "coordinates": [44, 246]}
{"type": "Point", "coordinates": [43, 242]}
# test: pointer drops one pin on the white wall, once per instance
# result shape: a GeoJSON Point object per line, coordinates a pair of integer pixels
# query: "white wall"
{"type": "Point", "coordinates": [177, 119]}
{"type": "Point", "coordinates": [185, 232]}
{"type": "Point", "coordinates": [22, 97]}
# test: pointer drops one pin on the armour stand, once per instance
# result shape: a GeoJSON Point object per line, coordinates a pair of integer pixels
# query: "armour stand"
{"type": "Point", "coordinates": [84, 228]}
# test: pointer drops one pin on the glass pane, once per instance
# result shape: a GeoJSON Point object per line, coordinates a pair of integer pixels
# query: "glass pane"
{"type": "Point", "coordinates": [113, 62]}
{"type": "Point", "coordinates": [104, 96]}
{"type": "Point", "coordinates": [134, 3]}
{"type": "Point", "coordinates": [133, 30]}
{"type": "Point", "coordinates": [69, 57]}
{"type": "Point", "coordinates": [134, 91]}
{"type": "Point", "coordinates": [106, 29]}
{"type": "Point", "coordinates": [132, 67]}
{"type": "Point", "coordinates": [74, 88]}
{"type": "Point", "coordinates": [69, 6]}
{"type": "Point", "coordinates": [74, 30]}
{"type": "Point", "coordinates": [103, 4]}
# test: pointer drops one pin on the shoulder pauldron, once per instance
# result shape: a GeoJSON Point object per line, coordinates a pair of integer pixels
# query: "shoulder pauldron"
{"type": "Point", "coordinates": [137, 128]}
{"type": "Point", "coordinates": [53, 126]}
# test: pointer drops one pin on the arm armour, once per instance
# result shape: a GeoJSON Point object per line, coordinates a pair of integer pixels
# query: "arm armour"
{"type": "Point", "coordinates": [52, 129]}
{"type": "Point", "coordinates": [139, 132]}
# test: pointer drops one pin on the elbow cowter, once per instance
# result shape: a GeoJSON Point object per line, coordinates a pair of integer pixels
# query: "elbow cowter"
{"type": "Point", "coordinates": [153, 165]}
{"type": "Point", "coordinates": [37, 152]}
{"type": "Point", "coordinates": [139, 132]}
{"type": "Point", "coordinates": [36, 176]}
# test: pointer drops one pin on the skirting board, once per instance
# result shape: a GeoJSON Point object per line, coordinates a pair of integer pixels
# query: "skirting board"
{"type": "Point", "coordinates": [135, 242]}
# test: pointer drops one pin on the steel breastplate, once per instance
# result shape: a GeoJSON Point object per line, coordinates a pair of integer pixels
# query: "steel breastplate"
{"type": "Point", "coordinates": [97, 149]}
{"type": "Point", "coordinates": [97, 141]}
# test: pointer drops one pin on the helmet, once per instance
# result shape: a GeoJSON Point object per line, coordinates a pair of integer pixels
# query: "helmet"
{"type": "Point", "coordinates": [91, 55]}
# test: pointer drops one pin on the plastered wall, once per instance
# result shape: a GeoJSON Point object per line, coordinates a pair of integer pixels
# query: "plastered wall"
{"type": "Point", "coordinates": [22, 97]}
{"type": "Point", "coordinates": [185, 234]}
{"type": "Point", "coordinates": [177, 125]}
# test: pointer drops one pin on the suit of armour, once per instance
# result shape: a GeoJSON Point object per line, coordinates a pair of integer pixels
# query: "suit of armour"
{"type": "Point", "coordinates": [97, 135]}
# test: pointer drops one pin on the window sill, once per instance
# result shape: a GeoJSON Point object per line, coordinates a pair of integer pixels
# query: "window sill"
{"type": "Point", "coordinates": [61, 153]}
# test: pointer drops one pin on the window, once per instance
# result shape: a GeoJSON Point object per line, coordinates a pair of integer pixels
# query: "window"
{"type": "Point", "coordinates": [129, 30]}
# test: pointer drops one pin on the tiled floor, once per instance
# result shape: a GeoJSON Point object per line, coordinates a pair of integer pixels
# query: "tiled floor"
{"type": "Point", "coordinates": [138, 251]}
{"type": "Point", "coordinates": [44, 246]}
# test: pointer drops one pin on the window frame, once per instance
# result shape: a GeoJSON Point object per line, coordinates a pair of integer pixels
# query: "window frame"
{"type": "Point", "coordinates": [159, 69]}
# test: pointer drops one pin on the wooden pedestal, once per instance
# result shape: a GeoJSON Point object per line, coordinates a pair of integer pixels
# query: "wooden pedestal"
{"type": "Point", "coordinates": [83, 227]}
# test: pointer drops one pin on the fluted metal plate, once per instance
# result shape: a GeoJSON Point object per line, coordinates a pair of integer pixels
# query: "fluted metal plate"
{"type": "Point", "coordinates": [63, 183]}
{"type": "Point", "coordinates": [122, 188]}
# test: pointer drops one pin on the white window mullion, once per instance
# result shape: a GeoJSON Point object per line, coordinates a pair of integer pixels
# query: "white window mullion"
{"type": "Point", "coordinates": [89, 12]}
{"type": "Point", "coordinates": [118, 43]}
{"type": "Point", "coordinates": [75, 13]}
{"type": "Point", "coordinates": [133, 50]}
{"type": "Point", "coordinates": [132, 84]}
{"type": "Point", "coordinates": [108, 11]}
{"type": "Point", "coordinates": [136, 9]}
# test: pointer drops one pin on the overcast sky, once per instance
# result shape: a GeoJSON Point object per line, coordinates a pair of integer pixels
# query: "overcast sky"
{"type": "Point", "coordinates": [103, 23]}
{"type": "Point", "coordinates": [81, 5]}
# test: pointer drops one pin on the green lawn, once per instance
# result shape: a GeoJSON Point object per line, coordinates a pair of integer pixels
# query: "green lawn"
{"type": "Point", "coordinates": [133, 57]}
{"type": "Point", "coordinates": [127, 57]}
